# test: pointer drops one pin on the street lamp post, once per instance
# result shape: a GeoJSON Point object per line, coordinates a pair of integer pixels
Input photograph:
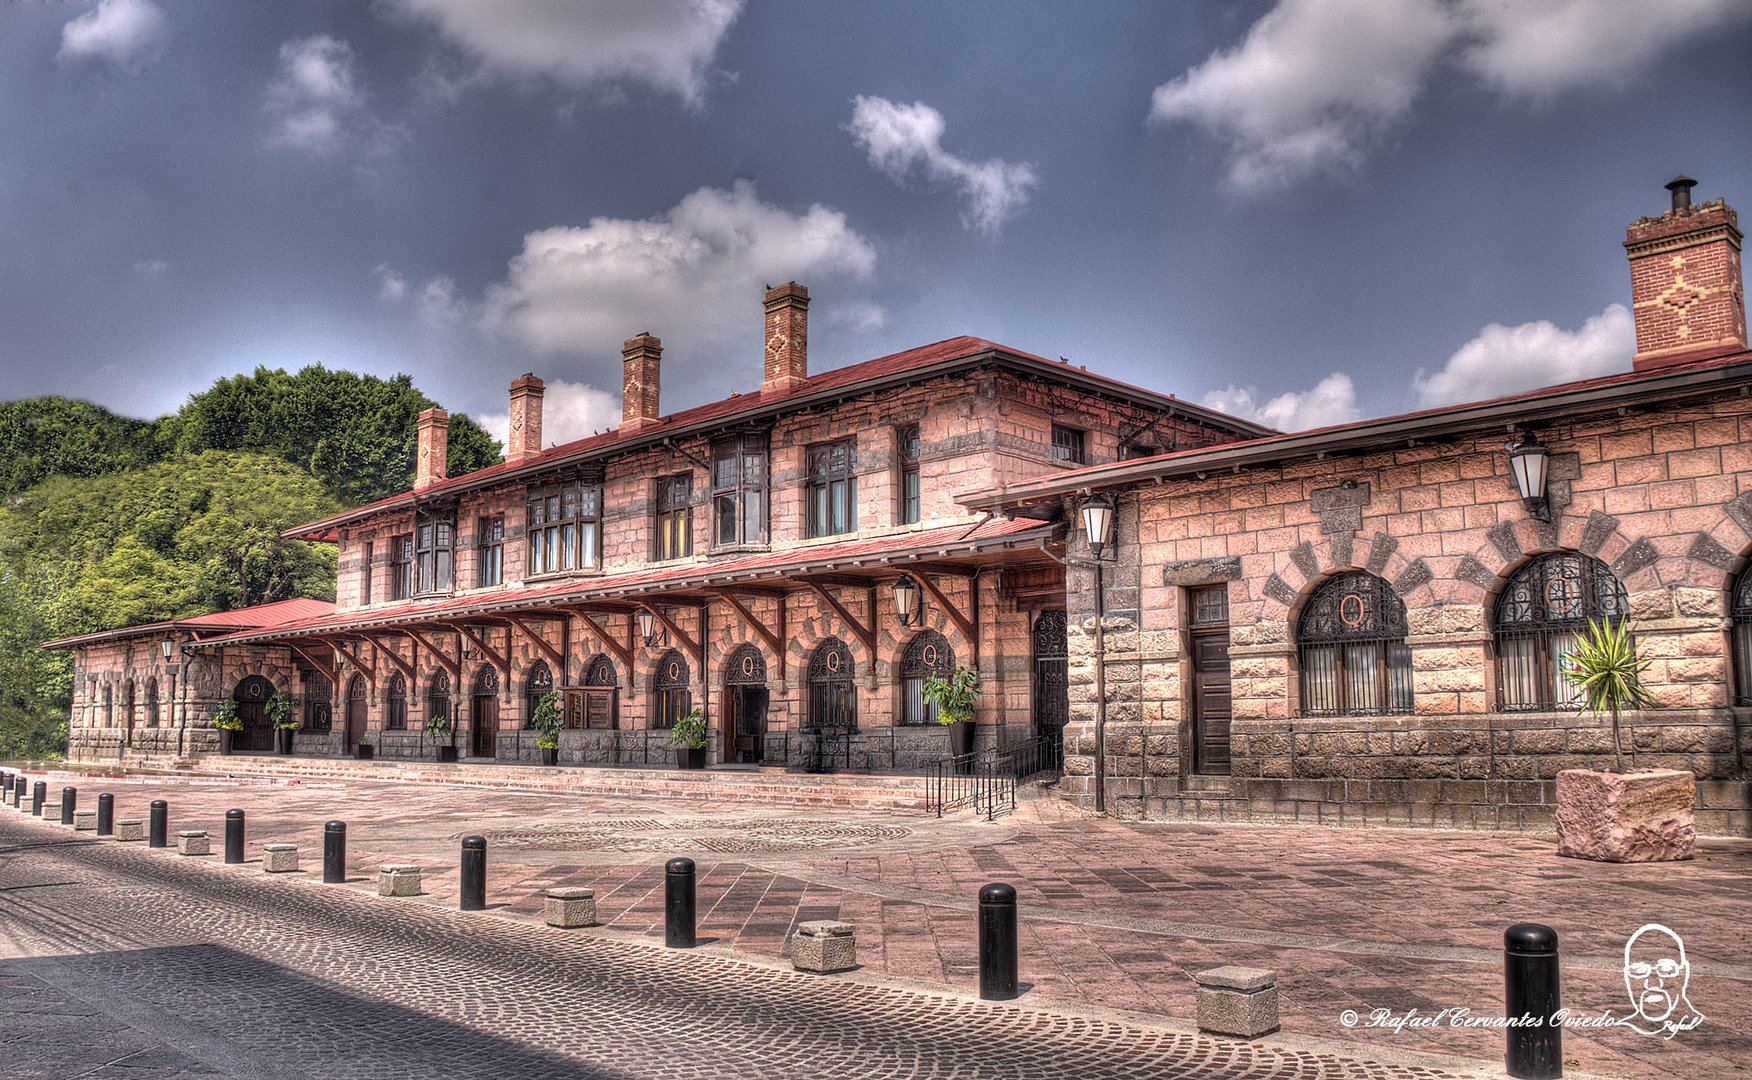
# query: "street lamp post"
{"type": "Point", "coordinates": [1097, 524]}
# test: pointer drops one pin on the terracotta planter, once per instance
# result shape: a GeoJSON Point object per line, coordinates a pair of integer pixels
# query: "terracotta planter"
{"type": "Point", "coordinates": [1645, 816]}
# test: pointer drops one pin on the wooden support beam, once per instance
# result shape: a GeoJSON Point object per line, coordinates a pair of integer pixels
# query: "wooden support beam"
{"type": "Point", "coordinates": [327, 669]}
{"type": "Point", "coordinates": [969, 629]}
{"type": "Point", "coordinates": [494, 656]}
{"type": "Point", "coordinates": [687, 642]}
{"type": "Point", "coordinates": [942, 568]}
{"type": "Point", "coordinates": [865, 634]}
{"type": "Point", "coordinates": [622, 652]}
{"type": "Point", "coordinates": [775, 640]}
{"type": "Point", "coordinates": [344, 650]}
{"type": "Point", "coordinates": [849, 581]}
{"type": "Point", "coordinates": [444, 661]}
{"type": "Point", "coordinates": [393, 657]}
{"type": "Point", "coordinates": [554, 656]}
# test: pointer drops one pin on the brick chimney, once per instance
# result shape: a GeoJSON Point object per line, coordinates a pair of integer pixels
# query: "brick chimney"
{"type": "Point", "coordinates": [1685, 282]}
{"type": "Point", "coordinates": [524, 439]}
{"type": "Point", "coordinates": [641, 378]}
{"type": "Point", "coordinates": [787, 338]}
{"type": "Point", "coordinates": [432, 459]}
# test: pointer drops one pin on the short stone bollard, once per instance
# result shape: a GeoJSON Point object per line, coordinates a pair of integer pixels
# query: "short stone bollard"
{"type": "Point", "coordinates": [193, 842]}
{"type": "Point", "coordinates": [569, 908]}
{"type": "Point", "coordinates": [85, 820]}
{"type": "Point", "coordinates": [398, 879]}
{"type": "Point", "coordinates": [1239, 1002]}
{"type": "Point", "coordinates": [52, 813]}
{"type": "Point", "coordinates": [824, 947]}
{"type": "Point", "coordinates": [131, 829]}
{"type": "Point", "coordinates": [279, 858]}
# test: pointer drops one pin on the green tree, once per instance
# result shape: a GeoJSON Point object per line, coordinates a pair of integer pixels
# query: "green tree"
{"type": "Point", "coordinates": [55, 436]}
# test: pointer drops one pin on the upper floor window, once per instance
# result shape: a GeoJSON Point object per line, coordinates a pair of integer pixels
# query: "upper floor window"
{"type": "Point", "coordinates": [1351, 638]}
{"type": "Point", "coordinates": [564, 529]}
{"type": "Point", "coordinates": [490, 552]}
{"type": "Point", "coordinates": [739, 490]}
{"type": "Point", "coordinates": [365, 572]}
{"type": "Point", "coordinates": [1539, 619]}
{"type": "Point", "coordinates": [1740, 612]}
{"type": "Point", "coordinates": [830, 488]}
{"type": "Point", "coordinates": [927, 654]}
{"type": "Point", "coordinates": [674, 524]}
{"type": "Point", "coordinates": [907, 453]}
{"type": "Point", "coordinates": [401, 567]}
{"type": "Point", "coordinates": [1067, 445]}
{"type": "Point", "coordinates": [434, 554]}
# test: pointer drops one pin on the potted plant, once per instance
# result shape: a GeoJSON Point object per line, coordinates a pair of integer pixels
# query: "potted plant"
{"type": "Point", "coordinates": [225, 718]}
{"type": "Point", "coordinates": [442, 730]}
{"type": "Point", "coordinates": [954, 698]}
{"type": "Point", "coordinates": [547, 723]}
{"type": "Point", "coordinates": [689, 739]}
{"type": "Point", "coordinates": [281, 713]}
{"type": "Point", "coordinates": [1611, 815]}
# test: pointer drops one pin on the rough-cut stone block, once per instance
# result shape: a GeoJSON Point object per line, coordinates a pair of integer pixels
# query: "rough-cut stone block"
{"type": "Point", "coordinates": [824, 947]}
{"type": "Point", "coordinates": [52, 813]}
{"type": "Point", "coordinates": [85, 820]}
{"type": "Point", "coordinates": [398, 879]}
{"type": "Point", "coordinates": [569, 908]}
{"type": "Point", "coordinates": [131, 829]}
{"type": "Point", "coordinates": [279, 858]}
{"type": "Point", "coordinates": [193, 842]}
{"type": "Point", "coordinates": [1626, 817]}
{"type": "Point", "coordinates": [1238, 1002]}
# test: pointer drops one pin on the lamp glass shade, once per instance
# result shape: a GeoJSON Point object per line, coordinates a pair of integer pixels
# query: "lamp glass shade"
{"type": "Point", "coordinates": [1528, 462]}
{"type": "Point", "coordinates": [164, 648]}
{"type": "Point", "coordinates": [647, 626]}
{"type": "Point", "coordinates": [1097, 522]}
{"type": "Point", "coordinates": [906, 598]}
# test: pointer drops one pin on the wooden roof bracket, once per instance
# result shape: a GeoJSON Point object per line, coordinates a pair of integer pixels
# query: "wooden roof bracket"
{"type": "Point", "coordinates": [774, 638]}
{"type": "Point", "coordinates": [692, 646]}
{"type": "Point", "coordinates": [554, 656]}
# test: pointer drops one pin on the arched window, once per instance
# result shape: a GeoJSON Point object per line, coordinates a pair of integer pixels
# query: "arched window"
{"type": "Point", "coordinates": [833, 704]}
{"type": "Point", "coordinates": [1740, 611]}
{"type": "Point", "coordinates": [438, 698]}
{"type": "Point", "coordinates": [1543, 609]}
{"type": "Point", "coordinates": [128, 703]}
{"type": "Point", "coordinates": [397, 700]}
{"type": "Point", "coordinates": [601, 672]}
{"type": "Point", "coordinates": [487, 682]}
{"type": "Point", "coordinates": [151, 702]}
{"type": "Point", "coordinates": [927, 654]}
{"type": "Point", "coordinates": [745, 667]}
{"type": "Point", "coordinates": [673, 698]}
{"type": "Point", "coordinates": [596, 706]}
{"type": "Point", "coordinates": [535, 687]}
{"type": "Point", "coordinates": [1351, 639]}
{"type": "Point", "coordinates": [319, 702]}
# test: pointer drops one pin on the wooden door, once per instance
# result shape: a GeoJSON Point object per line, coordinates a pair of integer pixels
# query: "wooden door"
{"type": "Point", "coordinates": [252, 699]}
{"type": "Point", "coordinates": [486, 723]}
{"type": "Point", "coordinates": [1211, 710]}
{"type": "Point", "coordinates": [355, 713]}
{"type": "Point", "coordinates": [750, 706]}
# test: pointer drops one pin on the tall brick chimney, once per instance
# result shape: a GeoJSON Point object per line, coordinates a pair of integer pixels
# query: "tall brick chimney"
{"type": "Point", "coordinates": [1685, 282]}
{"type": "Point", "coordinates": [641, 379]}
{"type": "Point", "coordinates": [431, 460]}
{"type": "Point", "coordinates": [524, 441]}
{"type": "Point", "coordinates": [787, 338]}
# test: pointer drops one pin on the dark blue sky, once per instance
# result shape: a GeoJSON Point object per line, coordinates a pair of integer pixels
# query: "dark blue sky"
{"type": "Point", "coordinates": [1230, 201]}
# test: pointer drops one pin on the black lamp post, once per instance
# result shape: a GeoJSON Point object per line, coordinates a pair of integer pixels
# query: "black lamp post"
{"type": "Point", "coordinates": [1098, 526]}
{"type": "Point", "coordinates": [909, 604]}
{"type": "Point", "coordinates": [1530, 463]}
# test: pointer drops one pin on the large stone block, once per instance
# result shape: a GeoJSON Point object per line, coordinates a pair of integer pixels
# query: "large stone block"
{"type": "Point", "coordinates": [280, 858]}
{"type": "Point", "coordinates": [1646, 816]}
{"type": "Point", "coordinates": [569, 908]}
{"type": "Point", "coordinates": [193, 842]}
{"type": "Point", "coordinates": [1239, 1002]}
{"type": "Point", "coordinates": [131, 829]}
{"type": "Point", "coordinates": [398, 879]}
{"type": "Point", "coordinates": [824, 947]}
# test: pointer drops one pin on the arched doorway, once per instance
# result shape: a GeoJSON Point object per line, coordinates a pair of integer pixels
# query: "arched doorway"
{"type": "Point", "coordinates": [537, 686]}
{"type": "Point", "coordinates": [356, 705]}
{"type": "Point", "coordinates": [745, 705]}
{"type": "Point", "coordinates": [601, 697]}
{"type": "Point", "coordinates": [1052, 699]}
{"type": "Point", "coordinates": [252, 696]}
{"type": "Point", "coordinates": [485, 711]}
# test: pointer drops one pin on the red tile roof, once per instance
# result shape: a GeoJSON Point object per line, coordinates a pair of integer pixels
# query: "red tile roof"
{"type": "Point", "coordinates": [249, 618]}
{"type": "Point", "coordinates": [945, 541]}
{"type": "Point", "coordinates": [893, 366]}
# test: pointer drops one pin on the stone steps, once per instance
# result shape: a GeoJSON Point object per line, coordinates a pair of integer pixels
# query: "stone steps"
{"type": "Point", "coordinates": [903, 793]}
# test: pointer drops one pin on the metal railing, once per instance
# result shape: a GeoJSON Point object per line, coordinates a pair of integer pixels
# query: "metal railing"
{"type": "Point", "coordinates": [986, 779]}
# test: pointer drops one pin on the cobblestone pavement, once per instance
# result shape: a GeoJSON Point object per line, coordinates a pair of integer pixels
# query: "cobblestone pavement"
{"type": "Point", "coordinates": [1114, 916]}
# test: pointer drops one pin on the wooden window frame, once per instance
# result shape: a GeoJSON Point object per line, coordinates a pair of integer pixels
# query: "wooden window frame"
{"type": "Point", "coordinates": [434, 554]}
{"type": "Point", "coordinates": [561, 539]}
{"type": "Point", "coordinates": [672, 518]}
{"type": "Point", "coordinates": [1070, 445]}
{"type": "Point", "coordinates": [401, 566]}
{"type": "Point", "coordinates": [365, 574]}
{"type": "Point", "coordinates": [908, 490]}
{"type": "Point", "coordinates": [1352, 615]}
{"type": "Point", "coordinates": [830, 472]}
{"type": "Point", "coordinates": [734, 458]}
{"type": "Point", "coordinates": [490, 551]}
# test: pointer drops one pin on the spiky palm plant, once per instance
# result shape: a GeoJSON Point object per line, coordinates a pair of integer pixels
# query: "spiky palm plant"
{"type": "Point", "coordinates": [1605, 668]}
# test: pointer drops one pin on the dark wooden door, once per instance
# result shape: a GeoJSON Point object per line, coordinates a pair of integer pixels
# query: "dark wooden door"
{"type": "Point", "coordinates": [486, 724]}
{"type": "Point", "coordinates": [252, 699]}
{"type": "Point", "coordinates": [1052, 699]}
{"type": "Point", "coordinates": [748, 720]}
{"type": "Point", "coordinates": [355, 713]}
{"type": "Point", "coordinates": [1210, 702]}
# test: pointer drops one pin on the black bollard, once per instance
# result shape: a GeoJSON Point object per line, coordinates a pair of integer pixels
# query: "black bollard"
{"type": "Point", "coordinates": [21, 788]}
{"type": "Point", "coordinates": [334, 853]}
{"type": "Point", "coordinates": [158, 827]}
{"type": "Point", "coordinates": [678, 903]}
{"type": "Point", "coordinates": [233, 836]}
{"type": "Point", "coordinates": [69, 800]}
{"type": "Point", "coordinates": [474, 873]}
{"type": "Point", "coordinates": [1531, 995]}
{"type": "Point", "coordinates": [997, 942]}
{"type": "Point", "coordinates": [106, 814]}
{"type": "Point", "coordinates": [38, 792]}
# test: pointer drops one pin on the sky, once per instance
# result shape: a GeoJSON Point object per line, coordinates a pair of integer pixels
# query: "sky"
{"type": "Point", "coordinates": [1299, 211]}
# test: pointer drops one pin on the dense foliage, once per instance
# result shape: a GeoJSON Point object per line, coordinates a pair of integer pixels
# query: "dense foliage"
{"type": "Point", "coordinates": [55, 436]}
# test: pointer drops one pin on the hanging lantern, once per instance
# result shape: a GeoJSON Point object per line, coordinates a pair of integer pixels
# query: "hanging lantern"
{"type": "Point", "coordinates": [909, 604]}
{"type": "Point", "coordinates": [1097, 522]}
{"type": "Point", "coordinates": [1529, 462]}
{"type": "Point", "coordinates": [648, 626]}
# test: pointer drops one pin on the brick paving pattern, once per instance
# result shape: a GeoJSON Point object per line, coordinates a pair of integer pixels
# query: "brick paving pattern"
{"type": "Point", "coordinates": [1115, 916]}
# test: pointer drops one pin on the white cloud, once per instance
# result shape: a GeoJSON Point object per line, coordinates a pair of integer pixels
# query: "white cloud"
{"type": "Point", "coordinates": [1313, 84]}
{"type": "Point", "coordinates": [666, 44]}
{"type": "Point", "coordinates": [1509, 359]}
{"type": "Point", "coordinates": [693, 276]}
{"type": "Point", "coordinates": [1316, 84]}
{"type": "Point", "coordinates": [151, 268]}
{"type": "Point", "coordinates": [569, 411]}
{"type": "Point", "coordinates": [124, 32]}
{"type": "Point", "coordinates": [901, 138]}
{"type": "Point", "coordinates": [317, 104]}
{"type": "Point", "coordinates": [391, 285]}
{"type": "Point", "coordinates": [1332, 400]}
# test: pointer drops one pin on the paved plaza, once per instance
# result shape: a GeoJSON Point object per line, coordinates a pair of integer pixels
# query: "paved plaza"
{"type": "Point", "coordinates": [183, 967]}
